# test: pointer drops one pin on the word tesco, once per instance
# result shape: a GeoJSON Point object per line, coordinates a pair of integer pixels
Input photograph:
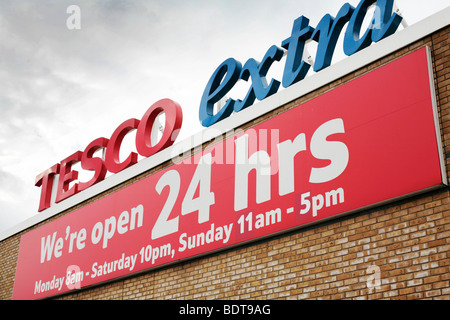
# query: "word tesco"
{"type": "Point", "coordinates": [111, 162]}
{"type": "Point", "coordinates": [383, 24]}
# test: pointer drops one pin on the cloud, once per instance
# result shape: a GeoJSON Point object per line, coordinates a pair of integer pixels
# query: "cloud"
{"type": "Point", "coordinates": [13, 208]}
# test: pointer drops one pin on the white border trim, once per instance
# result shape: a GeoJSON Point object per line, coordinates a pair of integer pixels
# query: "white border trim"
{"type": "Point", "coordinates": [357, 61]}
{"type": "Point", "coordinates": [437, 126]}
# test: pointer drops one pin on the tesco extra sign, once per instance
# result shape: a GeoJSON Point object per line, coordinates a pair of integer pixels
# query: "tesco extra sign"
{"type": "Point", "coordinates": [383, 23]}
{"type": "Point", "coordinates": [324, 158]}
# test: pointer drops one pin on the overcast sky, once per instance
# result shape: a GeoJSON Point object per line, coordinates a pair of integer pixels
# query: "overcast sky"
{"type": "Point", "coordinates": [61, 88]}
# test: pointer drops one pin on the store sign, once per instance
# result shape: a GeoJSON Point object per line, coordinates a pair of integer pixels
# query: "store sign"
{"type": "Point", "coordinates": [367, 142]}
{"type": "Point", "coordinates": [383, 24]}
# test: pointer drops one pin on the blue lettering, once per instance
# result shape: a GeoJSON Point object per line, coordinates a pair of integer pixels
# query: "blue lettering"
{"type": "Point", "coordinates": [327, 34]}
{"type": "Point", "coordinates": [388, 22]}
{"type": "Point", "coordinates": [383, 24]}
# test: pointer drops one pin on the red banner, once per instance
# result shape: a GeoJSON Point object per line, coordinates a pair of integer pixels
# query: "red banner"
{"type": "Point", "coordinates": [369, 141]}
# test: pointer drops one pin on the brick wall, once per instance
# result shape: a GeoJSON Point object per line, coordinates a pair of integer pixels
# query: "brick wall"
{"type": "Point", "coordinates": [404, 245]}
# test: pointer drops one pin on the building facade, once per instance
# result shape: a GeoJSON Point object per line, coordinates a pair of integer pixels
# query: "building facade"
{"type": "Point", "coordinates": [394, 250]}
